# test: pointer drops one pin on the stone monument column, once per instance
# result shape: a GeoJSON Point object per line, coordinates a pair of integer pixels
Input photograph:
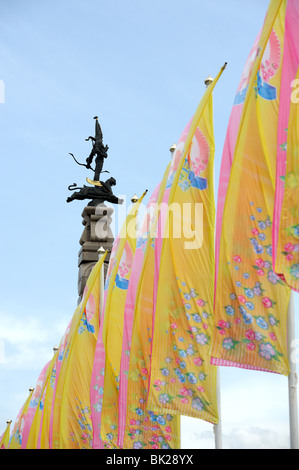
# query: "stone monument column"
{"type": "Point", "coordinates": [97, 233]}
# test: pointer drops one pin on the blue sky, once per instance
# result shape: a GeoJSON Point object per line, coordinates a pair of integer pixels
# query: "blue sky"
{"type": "Point", "coordinates": [140, 66]}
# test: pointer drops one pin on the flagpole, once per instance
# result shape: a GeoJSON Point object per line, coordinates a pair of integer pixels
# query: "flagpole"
{"type": "Point", "coordinates": [101, 253]}
{"type": "Point", "coordinates": [218, 426]}
{"type": "Point", "coordinates": [292, 378]}
{"type": "Point", "coordinates": [172, 150]}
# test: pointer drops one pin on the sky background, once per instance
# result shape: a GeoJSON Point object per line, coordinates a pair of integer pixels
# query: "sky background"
{"type": "Point", "coordinates": [140, 66]}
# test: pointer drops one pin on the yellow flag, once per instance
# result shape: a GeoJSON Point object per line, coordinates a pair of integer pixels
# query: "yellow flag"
{"type": "Point", "coordinates": [45, 437]}
{"type": "Point", "coordinates": [17, 432]}
{"type": "Point", "coordinates": [182, 381]}
{"type": "Point", "coordinates": [251, 301]}
{"type": "Point", "coordinates": [4, 440]}
{"type": "Point", "coordinates": [139, 427]}
{"type": "Point", "coordinates": [105, 388]}
{"type": "Point", "coordinates": [31, 440]}
{"type": "Point", "coordinates": [62, 417]}
{"type": "Point", "coordinates": [29, 425]}
{"type": "Point", "coordinates": [72, 424]}
{"type": "Point", "coordinates": [287, 250]}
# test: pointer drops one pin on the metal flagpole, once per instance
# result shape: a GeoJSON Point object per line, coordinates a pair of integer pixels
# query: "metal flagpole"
{"type": "Point", "coordinates": [292, 378]}
{"type": "Point", "coordinates": [218, 426]}
{"type": "Point", "coordinates": [172, 150]}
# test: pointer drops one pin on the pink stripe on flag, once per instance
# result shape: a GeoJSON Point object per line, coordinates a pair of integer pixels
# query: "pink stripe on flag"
{"type": "Point", "coordinates": [128, 325]}
{"type": "Point", "coordinates": [289, 71]}
{"type": "Point", "coordinates": [229, 146]}
{"type": "Point", "coordinates": [223, 362]}
{"type": "Point", "coordinates": [34, 403]}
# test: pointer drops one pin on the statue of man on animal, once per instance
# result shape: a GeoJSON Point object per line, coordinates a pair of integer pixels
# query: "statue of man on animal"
{"type": "Point", "coordinates": [99, 191]}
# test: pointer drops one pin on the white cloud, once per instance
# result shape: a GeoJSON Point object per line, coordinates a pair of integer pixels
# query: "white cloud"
{"type": "Point", "coordinates": [26, 342]}
{"type": "Point", "coordinates": [20, 331]}
{"type": "Point", "coordinates": [256, 438]}
{"type": "Point", "coordinates": [194, 436]}
{"type": "Point", "coordinates": [254, 413]}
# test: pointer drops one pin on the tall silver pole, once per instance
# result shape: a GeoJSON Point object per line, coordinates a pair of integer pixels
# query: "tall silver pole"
{"type": "Point", "coordinates": [292, 378]}
{"type": "Point", "coordinates": [218, 426]}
